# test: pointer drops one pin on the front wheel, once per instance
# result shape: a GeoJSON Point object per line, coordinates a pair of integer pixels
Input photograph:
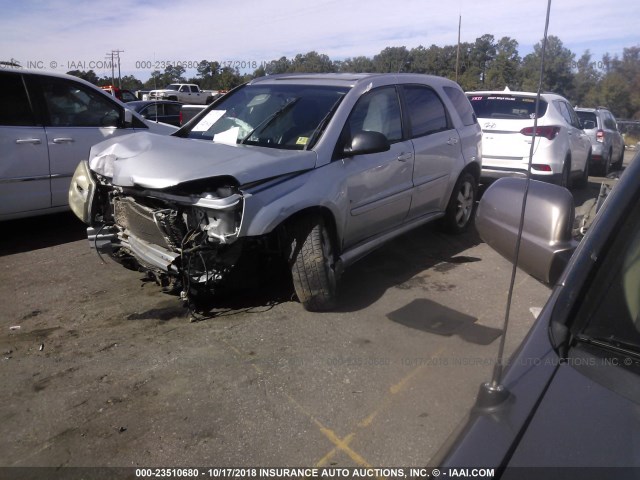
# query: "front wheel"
{"type": "Point", "coordinates": [313, 265]}
{"type": "Point", "coordinates": [461, 204]}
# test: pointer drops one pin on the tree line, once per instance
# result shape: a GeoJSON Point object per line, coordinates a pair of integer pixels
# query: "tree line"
{"type": "Point", "coordinates": [486, 64]}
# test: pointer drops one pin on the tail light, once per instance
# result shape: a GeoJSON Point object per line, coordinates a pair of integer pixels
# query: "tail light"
{"type": "Point", "coordinates": [600, 136]}
{"type": "Point", "coordinates": [548, 132]}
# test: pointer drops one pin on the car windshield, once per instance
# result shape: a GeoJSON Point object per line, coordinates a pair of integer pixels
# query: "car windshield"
{"type": "Point", "coordinates": [276, 116]}
{"type": "Point", "coordinates": [172, 87]}
{"type": "Point", "coordinates": [506, 106]}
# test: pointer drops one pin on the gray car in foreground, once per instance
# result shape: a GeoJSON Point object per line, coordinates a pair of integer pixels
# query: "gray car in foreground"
{"type": "Point", "coordinates": [570, 396]}
{"type": "Point", "coordinates": [309, 171]}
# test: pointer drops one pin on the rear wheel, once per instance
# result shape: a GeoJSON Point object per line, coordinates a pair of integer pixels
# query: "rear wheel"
{"type": "Point", "coordinates": [313, 265]}
{"type": "Point", "coordinates": [606, 166]}
{"type": "Point", "coordinates": [584, 178]}
{"type": "Point", "coordinates": [620, 159]}
{"type": "Point", "coordinates": [461, 204]}
{"type": "Point", "coordinates": [565, 177]}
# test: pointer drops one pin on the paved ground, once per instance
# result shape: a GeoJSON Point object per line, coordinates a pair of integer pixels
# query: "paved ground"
{"type": "Point", "coordinates": [99, 368]}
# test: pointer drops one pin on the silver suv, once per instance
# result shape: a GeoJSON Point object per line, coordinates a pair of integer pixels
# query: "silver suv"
{"type": "Point", "coordinates": [314, 171]}
{"type": "Point", "coordinates": [606, 141]}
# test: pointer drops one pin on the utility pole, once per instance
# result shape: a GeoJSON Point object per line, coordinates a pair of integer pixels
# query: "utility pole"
{"type": "Point", "coordinates": [112, 54]}
{"type": "Point", "coordinates": [458, 51]}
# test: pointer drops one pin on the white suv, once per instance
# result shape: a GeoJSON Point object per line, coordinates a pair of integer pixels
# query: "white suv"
{"type": "Point", "coordinates": [562, 149]}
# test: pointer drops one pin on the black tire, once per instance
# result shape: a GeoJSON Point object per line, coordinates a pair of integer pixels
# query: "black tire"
{"type": "Point", "coordinates": [620, 161]}
{"type": "Point", "coordinates": [583, 182]}
{"type": "Point", "coordinates": [606, 166]}
{"type": "Point", "coordinates": [459, 212]}
{"type": "Point", "coordinates": [313, 265]}
{"type": "Point", "coordinates": [565, 177]}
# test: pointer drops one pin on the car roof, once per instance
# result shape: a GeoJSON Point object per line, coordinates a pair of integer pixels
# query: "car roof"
{"type": "Point", "coordinates": [351, 79]}
{"type": "Point", "coordinates": [45, 73]}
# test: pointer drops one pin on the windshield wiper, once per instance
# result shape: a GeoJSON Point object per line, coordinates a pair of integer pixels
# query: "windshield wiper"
{"type": "Point", "coordinates": [323, 123]}
{"type": "Point", "coordinates": [265, 123]}
{"type": "Point", "coordinates": [612, 344]}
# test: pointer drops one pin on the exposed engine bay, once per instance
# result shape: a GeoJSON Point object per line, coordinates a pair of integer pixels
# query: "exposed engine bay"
{"type": "Point", "coordinates": [187, 243]}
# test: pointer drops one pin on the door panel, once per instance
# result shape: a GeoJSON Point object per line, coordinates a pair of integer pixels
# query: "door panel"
{"type": "Point", "coordinates": [378, 185]}
{"type": "Point", "coordinates": [77, 119]}
{"type": "Point", "coordinates": [24, 170]}
{"type": "Point", "coordinates": [379, 191]}
{"type": "Point", "coordinates": [436, 156]}
{"type": "Point", "coordinates": [68, 146]}
{"type": "Point", "coordinates": [24, 160]}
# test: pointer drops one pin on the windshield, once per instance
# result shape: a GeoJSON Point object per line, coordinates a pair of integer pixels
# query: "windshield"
{"type": "Point", "coordinates": [276, 116]}
{"type": "Point", "coordinates": [172, 87]}
{"type": "Point", "coordinates": [506, 106]}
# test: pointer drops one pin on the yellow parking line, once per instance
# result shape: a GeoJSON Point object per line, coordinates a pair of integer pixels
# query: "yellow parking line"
{"type": "Point", "coordinates": [343, 444]}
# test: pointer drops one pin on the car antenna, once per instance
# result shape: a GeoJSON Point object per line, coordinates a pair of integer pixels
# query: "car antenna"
{"type": "Point", "coordinates": [493, 393]}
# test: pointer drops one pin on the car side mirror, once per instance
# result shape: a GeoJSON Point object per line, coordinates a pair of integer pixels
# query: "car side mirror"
{"type": "Point", "coordinates": [547, 242]}
{"type": "Point", "coordinates": [128, 118]}
{"type": "Point", "coordinates": [367, 142]}
{"type": "Point", "coordinates": [588, 124]}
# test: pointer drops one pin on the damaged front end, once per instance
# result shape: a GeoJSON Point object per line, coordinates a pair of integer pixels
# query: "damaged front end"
{"type": "Point", "coordinates": [186, 237]}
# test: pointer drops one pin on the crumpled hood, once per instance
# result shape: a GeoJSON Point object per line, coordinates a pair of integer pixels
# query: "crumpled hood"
{"type": "Point", "coordinates": [159, 161]}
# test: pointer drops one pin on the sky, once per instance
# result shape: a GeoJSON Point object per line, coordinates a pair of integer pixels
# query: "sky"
{"type": "Point", "coordinates": [63, 35]}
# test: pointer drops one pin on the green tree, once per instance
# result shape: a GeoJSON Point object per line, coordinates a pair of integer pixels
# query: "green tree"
{"type": "Point", "coordinates": [392, 59]}
{"type": "Point", "coordinates": [355, 65]}
{"type": "Point", "coordinates": [557, 76]}
{"type": "Point", "coordinates": [504, 71]}
{"type": "Point", "coordinates": [89, 76]}
{"type": "Point", "coordinates": [311, 62]}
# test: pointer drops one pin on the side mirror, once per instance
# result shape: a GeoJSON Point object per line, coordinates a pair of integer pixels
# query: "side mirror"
{"type": "Point", "coordinates": [128, 118]}
{"type": "Point", "coordinates": [367, 142]}
{"type": "Point", "coordinates": [547, 242]}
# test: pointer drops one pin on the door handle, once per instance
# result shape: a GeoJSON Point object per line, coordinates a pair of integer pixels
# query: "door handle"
{"type": "Point", "coordinates": [452, 141]}
{"type": "Point", "coordinates": [33, 141]}
{"type": "Point", "coordinates": [63, 140]}
{"type": "Point", "coordinates": [403, 157]}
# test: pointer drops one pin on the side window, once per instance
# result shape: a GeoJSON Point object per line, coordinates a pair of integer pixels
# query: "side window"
{"type": "Point", "coordinates": [462, 105]}
{"type": "Point", "coordinates": [425, 110]}
{"type": "Point", "coordinates": [562, 108]}
{"type": "Point", "coordinates": [377, 111]}
{"type": "Point", "coordinates": [128, 97]}
{"type": "Point", "coordinates": [15, 108]}
{"type": "Point", "coordinates": [194, 89]}
{"type": "Point", "coordinates": [172, 109]}
{"type": "Point", "coordinates": [151, 111]}
{"type": "Point", "coordinates": [609, 122]}
{"type": "Point", "coordinates": [610, 315]}
{"type": "Point", "coordinates": [73, 105]}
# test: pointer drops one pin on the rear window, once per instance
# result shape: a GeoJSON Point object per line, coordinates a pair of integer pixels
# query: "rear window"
{"type": "Point", "coordinates": [587, 116]}
{"type": "Point", "coordinates": [506, 106]}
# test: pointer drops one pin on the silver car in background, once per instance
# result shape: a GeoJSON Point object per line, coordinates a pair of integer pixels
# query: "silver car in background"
{"type": "Point", "coordinates": [310, 171]}
{"type": "Point", "coordinates": [606, 141]}
{"type": "Point", "coordinates": [48, 123]}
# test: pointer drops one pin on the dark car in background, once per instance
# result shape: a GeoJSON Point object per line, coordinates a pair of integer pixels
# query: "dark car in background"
{"type": "Point", "coordinates": [165, 111]}
{"type": "Point", "coordinates": [570, 396]}
{"type": "Point", "coordinates": [606, 141]}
